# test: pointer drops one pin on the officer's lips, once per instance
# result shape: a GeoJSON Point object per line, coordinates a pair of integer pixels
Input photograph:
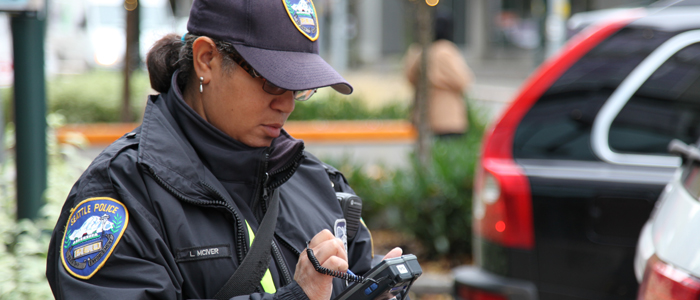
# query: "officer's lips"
{"type": "Point", "coordinates": [273, 130]}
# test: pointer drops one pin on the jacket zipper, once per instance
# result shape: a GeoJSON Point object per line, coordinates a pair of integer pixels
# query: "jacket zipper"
{"type": "Point", "coordinates": [240, 238]}
{"type": "Point", "coordinates": [286, 277]}
{"type": "Point", "coordinates": [280, 259]}
{"type": "Point", "coordinates": [287, 245]}
{"type": "Point", "coordinates": [291, 167]}
{"type": "Point", "coordinates": [260, 188]}
{"type": "Point", "coordinates": [266, 189]}
{"type": "Point", "coordinates": [277, 255]}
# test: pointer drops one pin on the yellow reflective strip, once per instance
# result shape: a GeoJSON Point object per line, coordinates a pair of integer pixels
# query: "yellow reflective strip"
{"type": "Point", "coordinates": [251, 235]}
{"type": "Point", "coordinates": [371, 241]}
{"type": "Point", "coordinates": [266, 282]}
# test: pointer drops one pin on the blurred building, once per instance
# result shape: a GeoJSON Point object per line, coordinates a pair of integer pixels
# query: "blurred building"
{"type": "Point", "coordinates": [356, 35]}
{"type": "Point", "coordinates": [485, 29]}
{"type": "Point", "coordinates": [378, 30]}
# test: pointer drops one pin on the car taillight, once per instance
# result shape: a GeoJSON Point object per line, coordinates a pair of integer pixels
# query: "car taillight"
{"type": "Point", "coordinates": [502, 199]}
{"type": "Point", "coordinates": [468, 293]}
{"type": "Point", "coordinates": [663, 281]}
{"type": "Point", "coordinates": [502, 204]}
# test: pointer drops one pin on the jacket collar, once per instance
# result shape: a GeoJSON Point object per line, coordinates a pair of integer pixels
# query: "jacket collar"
{"type": "Point", "coordinates": [167, 153]}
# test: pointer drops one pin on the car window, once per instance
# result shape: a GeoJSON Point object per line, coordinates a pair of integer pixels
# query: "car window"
{"type": "Point", "coordinates": [665, 107]}
{"type": "Point", "coordinates": [558, 126]}
{"type": "Point", "coordinates": [691, 179]}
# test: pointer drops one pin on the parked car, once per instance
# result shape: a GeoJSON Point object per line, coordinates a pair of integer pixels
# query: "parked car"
{"type": "Point", "coordinates": [581, 20]}
{"type": "Point", "coordinates": [667, 263]}
{"type": "Point", "coordinates": [571, 171]}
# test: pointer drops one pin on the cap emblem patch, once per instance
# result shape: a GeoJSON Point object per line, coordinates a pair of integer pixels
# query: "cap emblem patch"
{"type": "Point", "coordinates": [94, 228]}
{"type": "Point", "coordinates": [303, 15]}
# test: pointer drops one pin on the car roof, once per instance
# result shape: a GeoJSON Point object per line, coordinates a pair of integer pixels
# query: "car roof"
{"type": "Point", "coordinates": [675, 3]}
{"type": "Point", "coordinates": [671, 16]}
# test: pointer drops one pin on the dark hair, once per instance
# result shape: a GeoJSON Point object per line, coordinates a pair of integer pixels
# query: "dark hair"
{"type": "Point", "coordinates": [443, 26]}
{"type": "Point", "coordinates": [170, 54]}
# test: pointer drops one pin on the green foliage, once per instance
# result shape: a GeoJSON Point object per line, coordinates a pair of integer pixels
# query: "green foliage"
{"type": "Point", "coordinates": [95, 96]}
{"type": "Point", "coordinates": [433, 205]}
{"type": "Point", "coordinates": [6, 103]}
{"type": "Point", "coordinates": [24, 244]}
{"type": "Point", "coordinates": [332, 106]}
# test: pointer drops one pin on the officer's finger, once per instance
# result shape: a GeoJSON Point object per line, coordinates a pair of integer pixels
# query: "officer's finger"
{"type": "Point", "coordinates": [396, 252]}
{"type": "Point", "coordinates": [330, 248]}
{"type": "Point", "coordinates": [321, 237]}
{"type": "Point", "coordinates": [336, 263]}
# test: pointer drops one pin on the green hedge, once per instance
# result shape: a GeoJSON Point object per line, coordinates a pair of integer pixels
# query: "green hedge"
{"type": "Point", "coordinates": [92, 97]}
{"type": "Point", "coordinates": [333, 106]}
{"type": "Point", "coordinates": [96, 97]}
{"type": "Point", "coordinates": [24, 244]}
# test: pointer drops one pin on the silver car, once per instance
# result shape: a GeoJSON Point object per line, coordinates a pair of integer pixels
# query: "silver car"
{"type": "Point", "coordinates": [667, 261]}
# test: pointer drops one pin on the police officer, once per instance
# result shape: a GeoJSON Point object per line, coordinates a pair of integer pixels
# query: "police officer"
{"type": "Point", "coordinates": [172, 209]}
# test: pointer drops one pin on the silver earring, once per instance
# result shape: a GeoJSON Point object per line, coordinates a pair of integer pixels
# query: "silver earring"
{"type": "Point", "coordinates": [201, 81]}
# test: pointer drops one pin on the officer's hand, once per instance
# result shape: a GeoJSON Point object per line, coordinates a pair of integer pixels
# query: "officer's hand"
{"type": "Point", "coordinates": [330, 253]}
{"type": "Point", "coordinates": [396, 252]}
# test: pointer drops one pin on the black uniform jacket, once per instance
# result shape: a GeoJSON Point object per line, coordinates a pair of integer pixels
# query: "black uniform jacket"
{"type": "Point", "coordinates": [177, 207]}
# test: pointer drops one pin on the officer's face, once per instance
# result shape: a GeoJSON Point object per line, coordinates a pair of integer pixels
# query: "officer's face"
{"type": "Point", "coordinates": [238, 106]}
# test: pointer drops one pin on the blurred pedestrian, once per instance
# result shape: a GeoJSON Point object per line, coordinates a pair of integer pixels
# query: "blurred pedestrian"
{"type": "Point", "coordinates": [449, 79]}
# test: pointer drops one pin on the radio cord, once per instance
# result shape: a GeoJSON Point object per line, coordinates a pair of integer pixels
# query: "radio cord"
{"type": "Point", "coordinates": [349, 276]}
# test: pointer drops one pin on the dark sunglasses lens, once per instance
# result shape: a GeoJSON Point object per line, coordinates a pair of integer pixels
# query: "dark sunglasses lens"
{"type": "Point", "coordinates": [272, 89]}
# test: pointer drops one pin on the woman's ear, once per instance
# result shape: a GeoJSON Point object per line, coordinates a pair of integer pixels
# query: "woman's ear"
{"type": "Point", "coordinates": [203, 53]}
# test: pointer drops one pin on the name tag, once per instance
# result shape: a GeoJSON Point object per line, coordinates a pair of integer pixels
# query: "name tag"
{"type": "Point", "coordinates": [204, 252]}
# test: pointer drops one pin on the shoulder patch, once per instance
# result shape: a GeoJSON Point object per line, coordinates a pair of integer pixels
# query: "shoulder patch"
{"type": "Point", "coordinates": [94, 228]}
{"type": "Point", "coordinates": [303, 15]}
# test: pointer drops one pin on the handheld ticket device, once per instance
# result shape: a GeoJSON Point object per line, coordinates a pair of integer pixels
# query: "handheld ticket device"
{"type": "Point", "coordinates": [392, 277]}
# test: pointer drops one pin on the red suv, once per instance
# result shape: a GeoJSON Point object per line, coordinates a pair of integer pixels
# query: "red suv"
{"type": "Point", "coordinates": [571, 171]}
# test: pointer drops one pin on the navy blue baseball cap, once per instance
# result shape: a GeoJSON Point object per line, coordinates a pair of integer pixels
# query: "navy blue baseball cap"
{"type": "Point", "coordinates": [278, 38]}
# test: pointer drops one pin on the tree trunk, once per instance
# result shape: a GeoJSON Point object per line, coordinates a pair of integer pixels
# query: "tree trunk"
{"type": "Point", "coordinates": [424, 34]}
{"type": "Point", "coordinates": [131, 57]}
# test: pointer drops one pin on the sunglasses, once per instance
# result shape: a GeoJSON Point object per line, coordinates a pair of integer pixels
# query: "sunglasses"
{"type": "Point", "coordinates": [268, 86]}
